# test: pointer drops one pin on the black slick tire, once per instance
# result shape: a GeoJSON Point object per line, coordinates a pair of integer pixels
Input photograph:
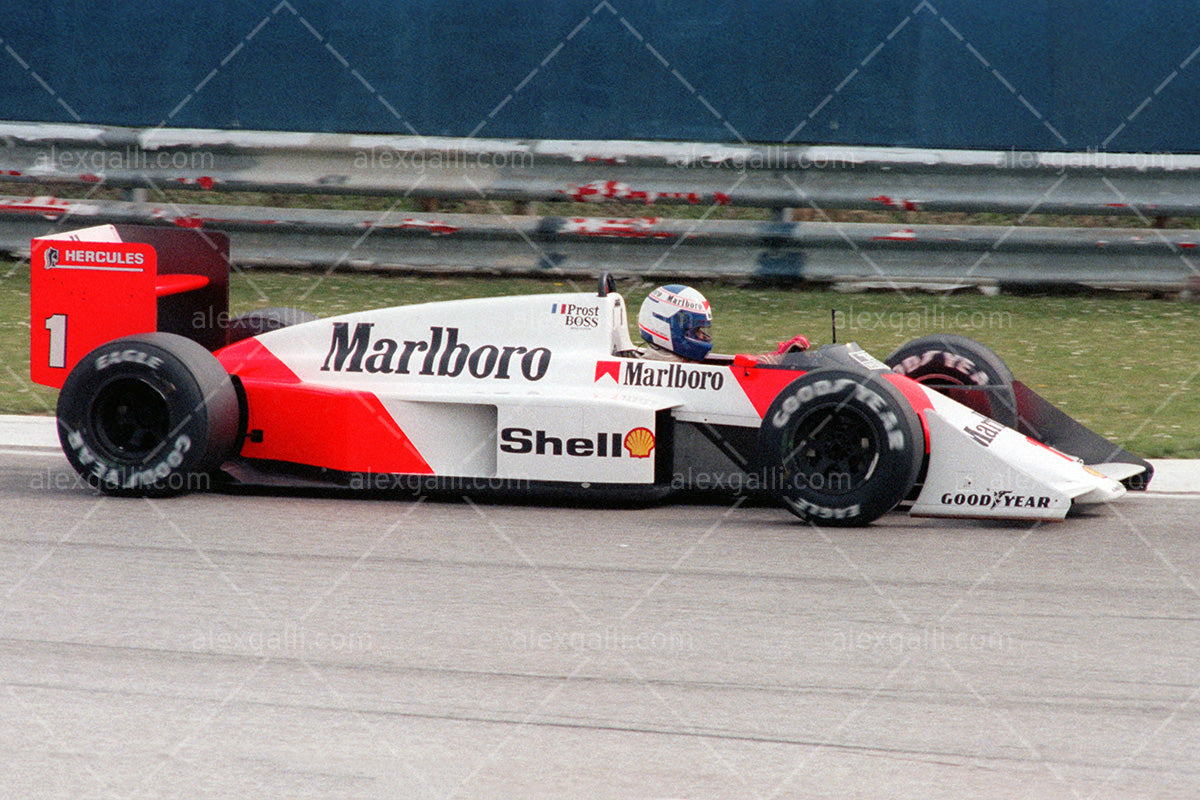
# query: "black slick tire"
{"type": "Point", "coordinates": [148, 415]}
{"type": "Point", "coordinates": [841, 447]}
{"type": "Point", "coordinates": [962, 369]}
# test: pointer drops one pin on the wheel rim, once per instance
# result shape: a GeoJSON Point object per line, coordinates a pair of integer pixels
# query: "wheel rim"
{"type": "Point", "coordinates": [972, 395]}
{"type": "Point", "coordinates": [130, 419]}
{"type": "Point", "coordinates": [834, 450]}
{"type": "Point", "coordinates": [941, 379]}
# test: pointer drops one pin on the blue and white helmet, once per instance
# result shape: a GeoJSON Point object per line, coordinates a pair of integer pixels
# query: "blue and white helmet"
{"type": "Point", "coordinates": [677, 318]}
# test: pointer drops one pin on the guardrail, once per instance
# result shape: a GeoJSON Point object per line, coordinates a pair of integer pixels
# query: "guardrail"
{"type": "Point", "coordinates": [650, 174]}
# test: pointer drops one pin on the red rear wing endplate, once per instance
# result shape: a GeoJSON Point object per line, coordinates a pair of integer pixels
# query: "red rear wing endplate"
{"type": "Point", "coordinates": [91, 286]}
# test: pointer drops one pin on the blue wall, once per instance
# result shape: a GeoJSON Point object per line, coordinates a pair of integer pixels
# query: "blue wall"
{"type": "Point", "coordinates": [1056, 75]}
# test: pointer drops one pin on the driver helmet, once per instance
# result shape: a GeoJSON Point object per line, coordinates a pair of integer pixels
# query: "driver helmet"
{"type": "Point", "coordinates": [677, 318]}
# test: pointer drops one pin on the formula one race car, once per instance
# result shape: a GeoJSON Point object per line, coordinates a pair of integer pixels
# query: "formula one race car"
{"type": "Point", "coordinates": [161, 391]}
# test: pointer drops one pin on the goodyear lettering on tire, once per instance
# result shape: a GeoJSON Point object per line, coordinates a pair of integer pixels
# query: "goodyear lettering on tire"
{"type": "Point", "coordinates": [863, 393]}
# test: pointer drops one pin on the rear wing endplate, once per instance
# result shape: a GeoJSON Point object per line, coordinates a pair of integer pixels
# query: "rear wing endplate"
{"type": "Point", "coordinates": [91, 286]}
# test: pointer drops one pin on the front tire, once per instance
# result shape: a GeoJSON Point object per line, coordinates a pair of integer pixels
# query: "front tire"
{"type": "Point", "coordinates": [149, 415]}
{"type": "Point", "coordinates": [841, 447]}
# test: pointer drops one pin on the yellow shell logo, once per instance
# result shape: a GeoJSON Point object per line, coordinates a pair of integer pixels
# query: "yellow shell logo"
{"type": "Point", "coordinates": [639, 442]}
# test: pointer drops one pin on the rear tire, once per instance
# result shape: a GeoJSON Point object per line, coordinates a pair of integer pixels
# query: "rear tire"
{"type": "Point", "coordinates": [148, 415]}
{"type": "Point", "coordinates": [841, 447]}
{"type": "Point", "coordinates": [962, 369]}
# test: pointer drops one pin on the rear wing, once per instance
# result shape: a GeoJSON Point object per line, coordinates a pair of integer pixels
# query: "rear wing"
{"type": "Point", "coordinates": [91, 286]}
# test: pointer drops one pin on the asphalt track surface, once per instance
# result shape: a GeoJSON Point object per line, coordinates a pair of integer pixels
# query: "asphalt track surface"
{"type": "Point", "coordinates": [268, 646]}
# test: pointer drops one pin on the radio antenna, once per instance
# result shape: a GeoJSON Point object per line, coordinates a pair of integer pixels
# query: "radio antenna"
{"type": "Point", "coordinates": [833, 323]}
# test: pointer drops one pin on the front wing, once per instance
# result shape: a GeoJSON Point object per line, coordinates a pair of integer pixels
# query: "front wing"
{"type": "Point", "coordinates": [981, 469]}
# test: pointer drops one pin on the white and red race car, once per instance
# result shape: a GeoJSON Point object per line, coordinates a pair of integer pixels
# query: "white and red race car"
{"type": "Point", "coordinates": [161, 391]}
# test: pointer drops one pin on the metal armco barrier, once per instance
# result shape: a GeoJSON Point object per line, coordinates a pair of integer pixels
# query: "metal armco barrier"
{"type": "Point", "coordinates": [856, 253]}
{"type": "Point", "coordinates": [645, 173]}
